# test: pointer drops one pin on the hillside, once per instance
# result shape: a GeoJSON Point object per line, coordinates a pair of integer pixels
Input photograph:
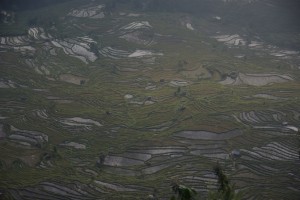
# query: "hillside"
{"type": "Point", "coordinates": [117, 99]}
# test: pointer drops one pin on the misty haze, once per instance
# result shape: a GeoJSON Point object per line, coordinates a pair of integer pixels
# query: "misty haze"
{"type": "Point", "coordinates": [149, 99]}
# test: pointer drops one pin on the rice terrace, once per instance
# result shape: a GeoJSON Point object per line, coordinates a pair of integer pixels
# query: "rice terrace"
{"type": "Point", "coordinates": [149, 99]}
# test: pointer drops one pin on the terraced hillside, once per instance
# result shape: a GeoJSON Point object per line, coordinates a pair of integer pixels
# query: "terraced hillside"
{"type": "Point", "coordinates": [118, 99]}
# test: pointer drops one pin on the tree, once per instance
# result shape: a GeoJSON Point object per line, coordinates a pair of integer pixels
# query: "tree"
{"type": "Point", "coordinates": [222, 180]}
{"type": "Point", "coordinates": [2, 165]}
{"type": "Point", "coordinates": [225, 191]}
{"type": "Point", "coordinates": [179, 89]}
{"type": "Point", "coordinates": [82, 82]}
{"type": "Point", "coordinates": [110, 6]}
{"type": "Point", "coordinates": [6, 128]}
{"type": "Point", "coordinates": [51, 155]}
{"type": "Point", "coordinates": [94, 49]}
{"type": "Point", "coordinates": [179, 92]}
{"type": "Point", "coordinates": [101, 160]}
{"type": "Point", "coordinates": [180, 66]}
{"type": "Point", "coordinates": [18, 164]}
{"type": "Point", "coordinates": [52, 107]}
{"type": "Point", "coordinates": [182, 192]}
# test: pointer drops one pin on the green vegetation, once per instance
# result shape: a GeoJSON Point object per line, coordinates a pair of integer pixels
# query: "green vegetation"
{"type": "Point", "coordinates": [183, 192]}
{"type": "Point", "coordinates": [225, 192]}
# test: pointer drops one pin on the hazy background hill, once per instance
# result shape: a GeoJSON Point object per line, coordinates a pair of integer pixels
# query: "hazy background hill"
{"type": "Point", "coordinates": [20, 5]}
{"type": "Point", "coordinates": [263, 18]}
